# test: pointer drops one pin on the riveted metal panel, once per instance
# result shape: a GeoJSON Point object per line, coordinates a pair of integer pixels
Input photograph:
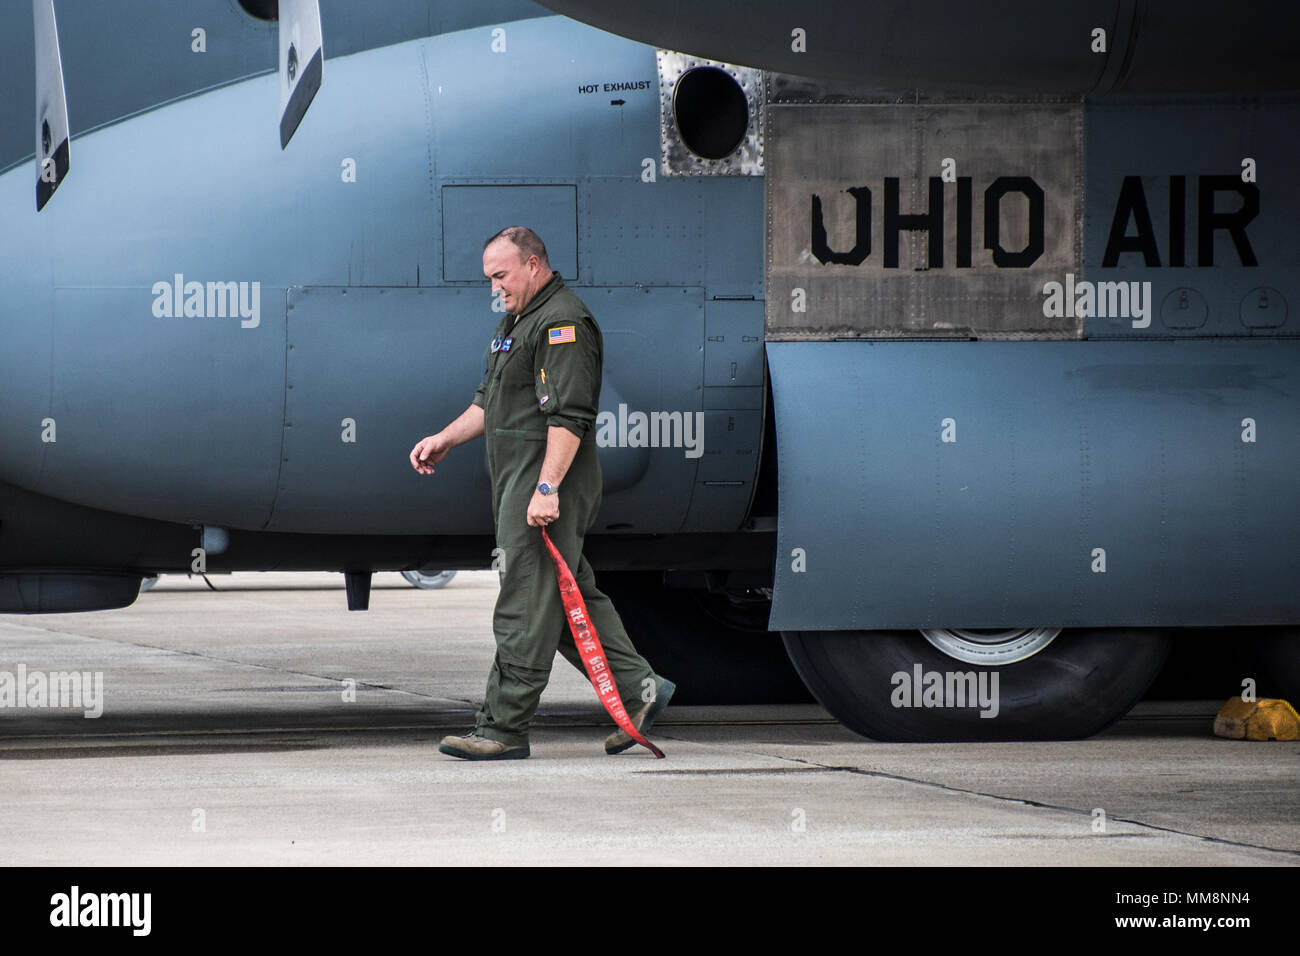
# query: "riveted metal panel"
{"type": "Point", "coordinates": [639, 233]}
{"type": "Point", "coordinates": [1166, 175]}
{"type": "Point", "coordinates": [676, 158]}
{"type": "Point", "coordinates": [394, 365]}
{"type": "Point", "coordinates": [1001, 185]}
{"type": "Point", "coordinates": [470, 214]}
{"type": "Point", "coordinates": [733, 343]}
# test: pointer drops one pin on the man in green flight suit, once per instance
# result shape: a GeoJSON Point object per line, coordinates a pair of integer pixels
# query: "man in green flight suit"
{"type": "Point", "coordinates": [537, 407]}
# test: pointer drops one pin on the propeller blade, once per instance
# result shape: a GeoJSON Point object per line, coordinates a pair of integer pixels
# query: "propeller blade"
{"type": "Point", "coordinates": [51, 105]}
{"type": "Point", "coordinates": [300, 62]}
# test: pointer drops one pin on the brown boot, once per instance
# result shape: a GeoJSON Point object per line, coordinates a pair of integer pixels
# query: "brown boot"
{"type": "Point", "coordinates": [642, 720]}
{"type": "Point", "coordinates": [474, 747]}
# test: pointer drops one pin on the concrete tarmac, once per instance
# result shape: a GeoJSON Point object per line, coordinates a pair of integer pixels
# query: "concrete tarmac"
{"type": "Point", "coordinates": [266, 724]}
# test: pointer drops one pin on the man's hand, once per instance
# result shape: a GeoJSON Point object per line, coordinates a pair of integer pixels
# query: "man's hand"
{"type": "Point", "coordinates": [543, 509]}
{"type": "Point", "coordinates": [428, 452]}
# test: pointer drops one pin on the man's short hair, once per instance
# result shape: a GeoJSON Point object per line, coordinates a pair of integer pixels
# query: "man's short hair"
{"type": "Point", "coordinates": [525, 240]}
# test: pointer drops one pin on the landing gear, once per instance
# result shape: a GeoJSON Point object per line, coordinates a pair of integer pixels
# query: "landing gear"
{"type": "Point", "coordinates": [951, 684]}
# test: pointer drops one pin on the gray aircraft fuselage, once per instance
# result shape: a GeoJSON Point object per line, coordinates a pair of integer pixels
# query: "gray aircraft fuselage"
{"type": "Point", "coordinates": [205, 332]}
{"type": "Point", "coordinates": [1016, 340]}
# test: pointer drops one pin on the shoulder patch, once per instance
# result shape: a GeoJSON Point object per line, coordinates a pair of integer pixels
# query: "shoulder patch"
{"type": "Point", "coordinates": [559, 336]}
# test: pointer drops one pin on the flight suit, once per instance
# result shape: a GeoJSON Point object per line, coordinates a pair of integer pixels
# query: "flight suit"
{"type": "Point", "coordinates": [543, 369]}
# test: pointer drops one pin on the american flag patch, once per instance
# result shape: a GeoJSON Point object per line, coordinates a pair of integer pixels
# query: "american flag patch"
{"type": "Point", "coordinates": [561, 335]}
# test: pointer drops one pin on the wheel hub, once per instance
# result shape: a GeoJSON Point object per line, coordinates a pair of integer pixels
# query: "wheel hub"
{"type": "Point", "coordinates": [990, 646]}
{"type": "Point", "coordinates": [428, 579]}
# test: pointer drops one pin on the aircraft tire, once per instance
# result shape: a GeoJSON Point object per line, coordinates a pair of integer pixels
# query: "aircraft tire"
{"type": "Point", "coordinates": [715, 652]}
{"type": "Point", "coordinates": [1075, 686]}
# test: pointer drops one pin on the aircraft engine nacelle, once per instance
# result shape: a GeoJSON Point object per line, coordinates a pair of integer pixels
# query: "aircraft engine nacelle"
{"type": "Point", "coordinates": [960, 47]}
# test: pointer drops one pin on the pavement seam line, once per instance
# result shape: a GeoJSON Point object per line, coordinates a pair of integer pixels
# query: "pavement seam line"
{"type": "Point", "coordinates": [1033, 803]}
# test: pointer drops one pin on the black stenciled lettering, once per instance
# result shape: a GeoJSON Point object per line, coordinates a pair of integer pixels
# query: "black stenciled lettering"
{"type": "Point", "coordinates": [862, 217]}
{"type": "Point", "coordinates": [963, 222]}
{"type": "Point", "coordinates": [1234, 222]}
{"type": "Point", "coordinates": [930, 222]}
{"type": "Point", "coordinates": [993, 196]}
{"type": "Point", "coordinates": [1132, 204]}
{"type": "Point", "coordinates": [1177, 220]}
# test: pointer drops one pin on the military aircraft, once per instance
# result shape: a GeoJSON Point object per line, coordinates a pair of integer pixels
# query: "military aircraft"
{"type": "Point", "coordinates": [954, 346]}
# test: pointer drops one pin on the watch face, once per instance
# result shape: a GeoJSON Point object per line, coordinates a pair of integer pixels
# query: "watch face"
{"type": "Point", "coordinates": [545, 488]}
